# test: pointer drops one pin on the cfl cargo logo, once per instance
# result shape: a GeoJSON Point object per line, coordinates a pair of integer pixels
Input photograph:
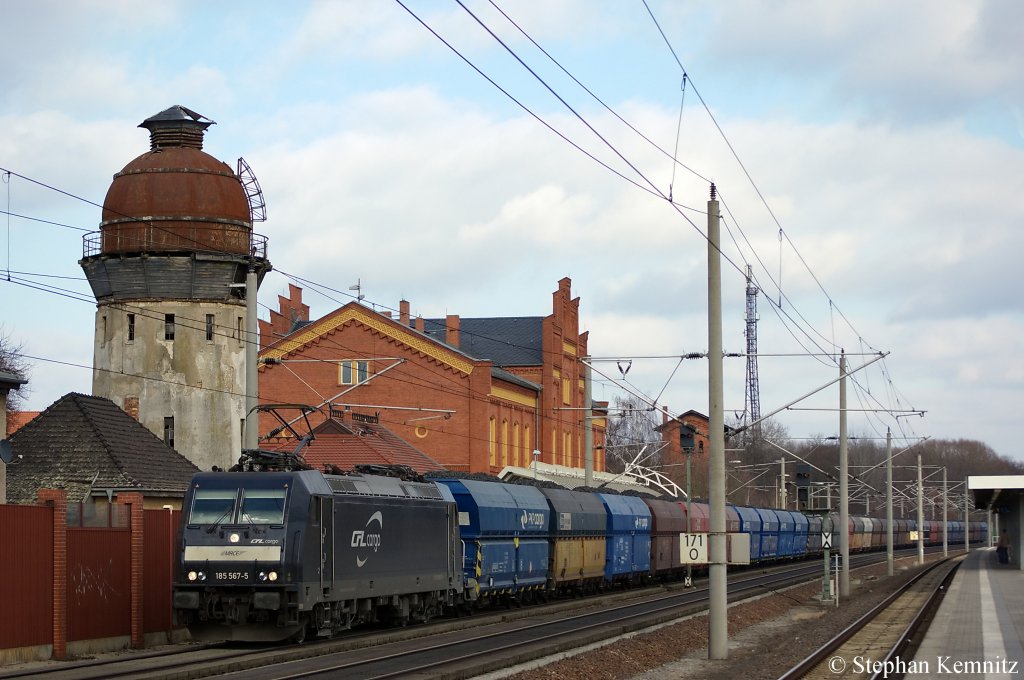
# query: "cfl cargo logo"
{"type": "Point", "coordinates": [368, 538]}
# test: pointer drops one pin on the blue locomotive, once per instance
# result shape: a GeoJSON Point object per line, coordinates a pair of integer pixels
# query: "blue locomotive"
{"type": "Point", "coordinates": [276, 555]}
{"type": "Point", "coordinates": [286, 554]}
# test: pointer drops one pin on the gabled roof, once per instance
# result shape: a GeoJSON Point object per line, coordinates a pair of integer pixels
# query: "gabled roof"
{"type": "Point", "coordinates": [347, 444]}
{"type": "Point", "coordinates": [355, 312]}
{"type": "Point", "coordinates": [504, 340]}
{"type": "Point", "coordinates": [81, 442]}
{"type": "Point", "coordinates": [679, 418]}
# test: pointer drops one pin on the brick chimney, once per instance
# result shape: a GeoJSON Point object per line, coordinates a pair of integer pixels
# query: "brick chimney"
{"type": "Point", "coordinates": [419, 324]}
{"type": "Point", "coordinates": [451, 334]}
{"type": "Point", "coordinates": [403, 312]}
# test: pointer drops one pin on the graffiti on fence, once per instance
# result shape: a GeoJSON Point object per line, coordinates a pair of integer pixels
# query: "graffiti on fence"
{"type": "Point", "coordinates": [92, 582]}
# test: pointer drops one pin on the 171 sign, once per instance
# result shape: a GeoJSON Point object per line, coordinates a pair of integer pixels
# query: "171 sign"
{"type": "Point", "coordinates": [693, 548]}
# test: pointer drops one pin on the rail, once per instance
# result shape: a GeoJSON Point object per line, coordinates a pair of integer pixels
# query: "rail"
{"type": "Point", "coordinates": [830, 647]}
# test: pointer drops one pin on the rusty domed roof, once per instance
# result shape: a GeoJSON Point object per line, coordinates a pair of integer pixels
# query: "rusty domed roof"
{"type": "Point", "coordinates": [176, 197]}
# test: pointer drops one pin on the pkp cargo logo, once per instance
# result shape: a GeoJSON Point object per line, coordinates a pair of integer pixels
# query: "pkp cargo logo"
{"type": "Point", "coordinates": [368, 538]}
{"type": "Point", "coordinates": [532, 520]}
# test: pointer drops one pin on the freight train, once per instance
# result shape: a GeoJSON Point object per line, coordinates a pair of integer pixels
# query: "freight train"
{"type": "Point", "coordinates": [291, 554]}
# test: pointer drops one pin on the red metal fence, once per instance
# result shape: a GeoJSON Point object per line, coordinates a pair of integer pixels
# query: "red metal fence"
{"type": "Point", "coordinates": [52, 596]}
{"type": "Point", "coordinates": [159, 554]}
{"type": "Point", "coordinates": [26, 575]}
{"type": "Point", "coordinates": [99, 571]}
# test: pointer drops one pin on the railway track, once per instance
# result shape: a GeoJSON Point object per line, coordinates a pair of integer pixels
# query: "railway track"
{"type": "Point", "coordinates": [869, 646]}
{"type": "Point", "coordinates": [453, 648]}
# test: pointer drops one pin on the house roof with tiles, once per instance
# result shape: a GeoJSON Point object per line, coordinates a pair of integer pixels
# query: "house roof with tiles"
{"type": "Point", "coordinates": [357, 440]}
{"type": "Point", "coordinates": [87, 444]}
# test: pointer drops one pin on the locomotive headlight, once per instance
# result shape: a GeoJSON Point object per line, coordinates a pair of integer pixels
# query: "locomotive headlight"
{"type": "Point", "coordinates": [272, 576]}
{"type": "Point", "coordinates": [233, 538]}
{"type": "Point", "coordinates": [202, 576]}
{"type": "Point", "coordinates": [192, 576]}
{"type": "Point", "coordinates": [262, 576]}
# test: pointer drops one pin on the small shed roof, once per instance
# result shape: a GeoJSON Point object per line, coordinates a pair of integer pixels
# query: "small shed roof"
{"type": "Point", "coordinates": [11, 381]}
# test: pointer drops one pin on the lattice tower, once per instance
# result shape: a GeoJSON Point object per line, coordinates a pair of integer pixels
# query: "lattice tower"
{"type": "Point", "coordinates": [753, 391]}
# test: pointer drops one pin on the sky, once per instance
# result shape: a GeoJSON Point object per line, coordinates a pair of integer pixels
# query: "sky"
{"type": "Point", "coordinates": [868, 157]}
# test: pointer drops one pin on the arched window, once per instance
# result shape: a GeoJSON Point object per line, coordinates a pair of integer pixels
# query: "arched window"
{"type": "Point", "coordinates": [517, 451]}
{"type": "Point", "coordinates": [504, 442]}
{"type": "Point", "coordinates": [492, 442]}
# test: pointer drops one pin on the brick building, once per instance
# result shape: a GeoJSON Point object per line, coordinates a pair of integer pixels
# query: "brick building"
{"type": "Point", "coordinates": [686, 434]}
{"type": "Point", "coordinates": [475, 394]}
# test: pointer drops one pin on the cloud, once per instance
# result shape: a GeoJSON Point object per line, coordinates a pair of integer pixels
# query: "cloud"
{"type": "Point", "coordinates": [868, 127]}
{"type": "Point", "coordinates": [902, 62]}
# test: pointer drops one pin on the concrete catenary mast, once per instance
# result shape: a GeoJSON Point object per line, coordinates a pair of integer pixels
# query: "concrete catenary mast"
{"type": "Point", "coordinates": [168, 270]}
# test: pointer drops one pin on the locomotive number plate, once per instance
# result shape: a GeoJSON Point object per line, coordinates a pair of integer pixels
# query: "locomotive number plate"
{"type": "Point", "coordinates": [231, 576]}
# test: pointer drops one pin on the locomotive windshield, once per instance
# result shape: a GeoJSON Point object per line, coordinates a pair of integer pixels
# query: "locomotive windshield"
{"type": "Point", "coordinates": [263, 506]}
{"type": "Point", "coordinates": [213, 506]}
{"type": "Point", "coordinates": [222, 506]}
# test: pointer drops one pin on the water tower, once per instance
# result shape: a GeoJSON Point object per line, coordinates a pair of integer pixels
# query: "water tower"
{"type": "Point", "coordinates": [168, 269]}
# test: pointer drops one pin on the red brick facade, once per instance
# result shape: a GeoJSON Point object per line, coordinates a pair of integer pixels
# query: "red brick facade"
{"type": "Point", "coordinates": [292, 311]}
{"type": "Point", "coordinates": [58, 500]}
{"type": "Point", "coordinates": [440, 399]}
{"type": "Point", "coordinates": [135, 504]}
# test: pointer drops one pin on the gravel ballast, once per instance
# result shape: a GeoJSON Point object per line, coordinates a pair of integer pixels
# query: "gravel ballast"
{"type": "Point", "coordinates": [767, 636]}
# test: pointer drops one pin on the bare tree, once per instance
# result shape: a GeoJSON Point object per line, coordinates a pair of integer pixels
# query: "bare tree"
{"type": "Point", "coordinates": [12, 360]}
{"type": "Point", "coordinates": [631, 427]}
{"type": "Point", "coordinates": [750, 463]}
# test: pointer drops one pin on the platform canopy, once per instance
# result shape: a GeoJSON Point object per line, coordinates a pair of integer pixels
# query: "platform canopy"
{"type": "Point", "coordinates": [992, 489]}
{"type": "Point", "coordinates": [572, 478]}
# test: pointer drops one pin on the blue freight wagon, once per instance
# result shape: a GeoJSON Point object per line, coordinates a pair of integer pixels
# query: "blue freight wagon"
{"type": "Point", "coordinates": [628, 544]}
{"type": "Point", "coordinates": [801, 527]}
{"type": "Point", "coordinates": [504, 529]}
{"type": "Point", "coordinates": [750, 523]}
{"type": "Point", "coordinates": [769, 533]}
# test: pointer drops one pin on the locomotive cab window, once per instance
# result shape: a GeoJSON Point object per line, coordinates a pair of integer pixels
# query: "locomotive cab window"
{"type": "Point", "coordinates": [213, 506]}
{"type": "Point", "coordinates": [263, 506]}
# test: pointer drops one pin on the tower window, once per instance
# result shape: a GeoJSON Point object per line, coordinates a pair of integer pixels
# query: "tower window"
{"type": "Point", "coordinates": [169, 431]}
{"type": "Point", "coordinates": [131, 328]}
{"type": "Point", "coordinates": [168, 327]}
{"type": "Point", "coordinates": [209, 327]}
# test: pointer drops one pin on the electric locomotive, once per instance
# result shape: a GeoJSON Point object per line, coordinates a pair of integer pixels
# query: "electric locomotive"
{"type": "Point", "coordinates": [278, 555]}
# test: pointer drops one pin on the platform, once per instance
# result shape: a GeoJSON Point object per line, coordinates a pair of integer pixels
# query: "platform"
{"type": "Point", "coordinates": [978, 630]}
